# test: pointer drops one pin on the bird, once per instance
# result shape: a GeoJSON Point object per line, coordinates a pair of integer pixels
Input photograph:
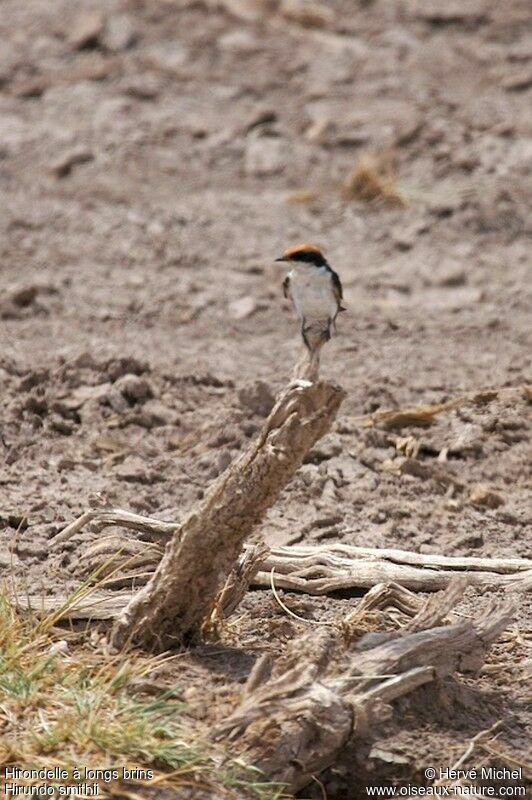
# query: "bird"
{"type": "Point", "coordinates": [315, 290]}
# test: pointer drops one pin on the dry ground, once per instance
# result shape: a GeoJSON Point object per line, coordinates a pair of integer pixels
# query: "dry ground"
{"type": "Point", "coordinates": [152, 166]}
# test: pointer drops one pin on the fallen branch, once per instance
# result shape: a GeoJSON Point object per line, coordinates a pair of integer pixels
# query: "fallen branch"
{"type": "Point", "coordinates": [154, 528]}
{"type": "Point", "coordinates": [315, 571]}
{"type": "Point", "coordinates": [324, 569]}
{"type": "Point", "coordinates": [319, 569]}
{"type": "Point", "coordinates": [423, 415]}
{"type": "Point", "coordinates": [293, 720]}
{"type": "Point", "coordinates": [100, 605]}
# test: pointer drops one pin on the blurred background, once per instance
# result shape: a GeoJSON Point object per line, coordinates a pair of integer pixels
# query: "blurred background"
{"type": "Point", "coordinates": [157, 155]}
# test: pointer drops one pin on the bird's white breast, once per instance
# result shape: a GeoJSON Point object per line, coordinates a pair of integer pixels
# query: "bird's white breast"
{"type": "Point", "coordinates": [312, 292]}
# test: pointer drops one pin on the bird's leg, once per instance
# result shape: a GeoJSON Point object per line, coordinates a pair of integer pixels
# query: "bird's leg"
{"type": "Point", "coordinates": [314, 336]}
{"type": "Point", "coordinates": [314, 364]}
{"type": "Point", "coordinates": [307, 368]}
{"type": "Point", "coordinates": [304, 330]}
{"type": "Point", "coordinates": [302, 368]}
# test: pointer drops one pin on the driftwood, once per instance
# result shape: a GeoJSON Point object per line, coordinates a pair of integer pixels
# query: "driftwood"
{"type": "Point", "coordinates": [154, 528]}
{"type": "Point", "coordinates": [205, 547]}
{"type": "Point", "coordinates": [238, 582]}
{"type": "Point", "coordinates": [313, 569]}
{"type": "Point", "coordinates": [99, 605]}
{"type": "Point", "coordinates": [294, 719]}
{"type": "Point", "coordinates": [325, 569]}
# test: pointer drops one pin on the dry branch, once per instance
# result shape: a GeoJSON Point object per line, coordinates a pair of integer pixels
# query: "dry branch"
{"type": "Point", "coordinates": [315, 570]}
{"type": "Point", "coordinates": [318, 569]}
{"type": "Point", "coordinates": [293, 722]}
{"type": "Point", "coordinates": [100, 605]}
{"type": "Point", "coordinates": [324, 569]}
{"type": "Point", "coordinates": [205, 547]}
{"type": "Point", "coordinates": [238, 582]}
{"type": "Point", "coordinates": [93, 606]}
{"type": "Point", "coordinates": [153, 528]}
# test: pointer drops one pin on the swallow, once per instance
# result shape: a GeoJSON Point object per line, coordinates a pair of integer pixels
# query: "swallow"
{"type": "Point", "coordinates": [315, 290]}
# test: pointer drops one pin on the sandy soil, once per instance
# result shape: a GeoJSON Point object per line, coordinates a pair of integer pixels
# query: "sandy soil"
{"type": "Point", "coordinates": [155, 157]}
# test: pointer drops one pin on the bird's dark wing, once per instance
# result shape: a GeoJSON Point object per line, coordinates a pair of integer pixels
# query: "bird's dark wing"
{"type": "Point", "coordinates": [337, 289]}
{"type": "Point", "coordinates": [286, 287]}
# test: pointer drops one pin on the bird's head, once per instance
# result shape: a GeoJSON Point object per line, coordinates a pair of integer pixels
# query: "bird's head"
{"type": "Point", "coordinates": [304, 254]}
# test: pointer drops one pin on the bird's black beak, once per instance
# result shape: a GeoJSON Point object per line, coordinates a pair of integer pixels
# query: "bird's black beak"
{"type": "Point", "coordinates": [281, 259]}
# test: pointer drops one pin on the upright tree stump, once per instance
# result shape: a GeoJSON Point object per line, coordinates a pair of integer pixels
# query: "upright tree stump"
{"type": "Point", "coordinates": [205, 547]}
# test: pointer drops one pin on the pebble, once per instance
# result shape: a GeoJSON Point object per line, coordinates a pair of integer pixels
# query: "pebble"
{"type": "Point", "coordinates": [375, 457]}
{"type": "Point", "coordinates": [328, 494]}
{"type": "Point", "coordinates": [307, 13]}
{"type": "Point", "coordinates": [436, 12]}
{"type": "Point", "coordinates": [427, 549]}
{"type": "Point", "coordinates": [160, 414]}
{"type": "Point", "coordinates": [142, 87]}
{"type": "Point", "coordinates": [249, 10]}
{"type": "Point", "coordinates": [119, 33]}
{"type": "Point", "coordinates": [86, 30]}
{"type": "Point", "coordinates": [84, 394]}
{"type": "Point", "coordinates": [454, 299]}
{"type": "Point", "coordinates": [239, 42]}
{"type": "Point", "coordinates": [242, 307]}
{"type": "Point", "coordinates": [327, 448]}
{"type": "Point", "coordinates": [63, 165]}
{"type": "Point", "coordinates": [152, 415]}
{"type": "Point", "coordinates": [117, 401]}
{"type": "Point", "coordinates": [30, 87]}
{"type": "Point", "coordinates": [8, 560]}
{"type": "Point", "coordinates": [452, 276]}
{"type": "Point", "coordinates": [469, 540]}
{"type": "Point", "coordinates": [344, 470]}
{"type": "Point", "coordinates": [60, 424]}
{"type": "Point", "coordinates": [116, 367]}
{"type": "Point", "coordinates": [447, 273]}
{"type": "Point", "coordinates": [403, 238]}
{"type": "Point", "coordinates": [519, 81]}
{"type": "Point", "coordinates": [23, 296]}
{"type": "Point", "coordinates": [265, 155]}
{"type": "Point", "coordinates": [132, 470]}
{"type": "Point", "coordinates": [59, 648]}
{"type": "Point", "coordinates": [134, 388]}
{"type": "Point", "coordinates": [167, 56]}
{"type": "Point", "coordinates": [482, 495]}
{"type": "Point", "coordinates": [221, 464]}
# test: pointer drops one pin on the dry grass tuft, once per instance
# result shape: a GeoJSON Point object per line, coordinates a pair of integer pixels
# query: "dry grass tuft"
{"type": "Point", "coordinates": [374, 180]}
{"type": "Point", "coordinates": [303, 197]}
{"type": "Point", "coordinates": [76, 708]}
